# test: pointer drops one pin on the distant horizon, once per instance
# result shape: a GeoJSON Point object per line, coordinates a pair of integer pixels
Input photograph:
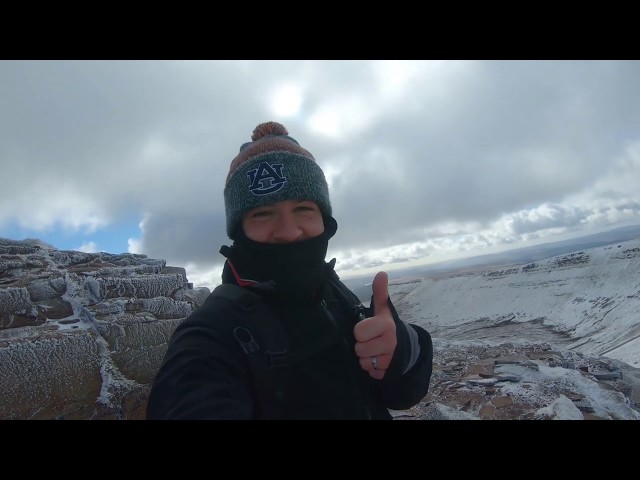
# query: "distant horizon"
{"type": "Point", "coordinates": [508, 256]}
{"type": "Point", "coordinates": [517, 255]}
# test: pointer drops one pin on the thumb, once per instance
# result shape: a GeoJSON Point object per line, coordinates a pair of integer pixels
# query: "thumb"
{"type": "Point", "coordinates": [380, 287]}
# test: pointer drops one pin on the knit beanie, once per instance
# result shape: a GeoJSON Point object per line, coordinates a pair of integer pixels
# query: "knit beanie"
{"type": "Point", "coordinates": [271, 168]}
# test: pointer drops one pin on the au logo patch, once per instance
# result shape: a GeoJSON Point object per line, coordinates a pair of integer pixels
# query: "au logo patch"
{"type": "Point", "coordinates": [266, 179]}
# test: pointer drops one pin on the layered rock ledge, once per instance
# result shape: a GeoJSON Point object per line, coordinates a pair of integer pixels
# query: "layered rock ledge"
{"type": "Point", "coordinates": [83, 334]}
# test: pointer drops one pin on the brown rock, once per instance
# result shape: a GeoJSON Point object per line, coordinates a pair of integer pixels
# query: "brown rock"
{"type": "Point", "coordinates": [500, 402]}
{"type": "Point", "coordinates": [83, 334]}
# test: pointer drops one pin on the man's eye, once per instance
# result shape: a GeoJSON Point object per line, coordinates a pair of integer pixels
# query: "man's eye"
{"type": "Point", "coordinates": [262, 213]}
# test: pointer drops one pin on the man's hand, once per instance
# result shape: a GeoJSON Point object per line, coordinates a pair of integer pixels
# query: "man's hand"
{"type": "Point", "coordinates": [376, 336]}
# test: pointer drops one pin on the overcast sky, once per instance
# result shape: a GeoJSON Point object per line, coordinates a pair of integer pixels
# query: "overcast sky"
{"type": "Point", "coordinates": [426, 160]}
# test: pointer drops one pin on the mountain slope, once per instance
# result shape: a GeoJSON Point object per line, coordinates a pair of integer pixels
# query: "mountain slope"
{"type": "Point", "coordinates": [552, 339]}
{"type": "Point", "coordinates": [587, 301]}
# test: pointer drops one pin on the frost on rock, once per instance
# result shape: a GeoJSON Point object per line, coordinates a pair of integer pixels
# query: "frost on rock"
{"type": "Point", "coordinates": [17, 247]}
{"type": "Point", "coordinates": [9, 265]}
{"type": "Point", "coordinates": [137, 259]}
{"type": "Point", "coordinates": [197, 296]}
{"type": "Point", "coordinates": [126, 271]}
{"type": "Point", "coordinates": [137, 347]}
{"type": "Point", "coordinates": [47, 288]}
{"type": "Point", "coordinates": [70, 257]}
{"type": "Point", "coordinates": [39, 368]}
{"type": "Point", "coordinates": [560, 409]}
{"type": "Point", "coordinates": [87, 290]}
{"type": "Point", "coordinates": [15, 300]}
{"type": "Point", "coordinates": [163, 307]}
{"type": "Point", "coordinates": [82, 334]}
{"type": "Point", "coordinates": [147, 286]}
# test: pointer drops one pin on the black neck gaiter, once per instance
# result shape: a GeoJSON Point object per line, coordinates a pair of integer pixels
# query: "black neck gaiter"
{"type": "Point", "coordinates": [294, 268]}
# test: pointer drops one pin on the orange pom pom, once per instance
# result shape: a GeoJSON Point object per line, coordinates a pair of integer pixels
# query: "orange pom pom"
{"type": "Point", "coordinates": [268, 128]}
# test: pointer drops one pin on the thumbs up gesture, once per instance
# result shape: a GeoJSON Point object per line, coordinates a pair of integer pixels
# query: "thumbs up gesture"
{"type": "Point", "coordinates": [376, 336]}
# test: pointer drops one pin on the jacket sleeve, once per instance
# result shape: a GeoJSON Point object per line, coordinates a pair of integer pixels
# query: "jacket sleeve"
{"type": "Point", "coordinates": [407, 379]}
{"type": "Point", "coordinates": [202, 375]}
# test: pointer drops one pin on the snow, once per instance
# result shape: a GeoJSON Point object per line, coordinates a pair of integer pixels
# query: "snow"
{"type": "Point", "coordinates": [585, 304]}
{"type": "Point", "coordinates": [588, 301]}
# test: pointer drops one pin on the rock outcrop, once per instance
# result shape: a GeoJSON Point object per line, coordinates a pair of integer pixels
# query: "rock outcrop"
{"type": "Point", "coordinates": [83, 334]}
{"type": "Point", "coordinates": [525, 381]}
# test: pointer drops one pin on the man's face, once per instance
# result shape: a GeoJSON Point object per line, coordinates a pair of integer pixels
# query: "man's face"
{"type": "Point", "coordinates": [284, 222]}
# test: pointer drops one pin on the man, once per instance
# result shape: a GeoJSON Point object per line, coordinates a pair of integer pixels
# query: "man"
{"type": "Point", "coordinates": [282, 337]}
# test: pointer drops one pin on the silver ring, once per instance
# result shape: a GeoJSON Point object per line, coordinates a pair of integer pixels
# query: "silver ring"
{"type": "Point", "coordinates": [374, 362]}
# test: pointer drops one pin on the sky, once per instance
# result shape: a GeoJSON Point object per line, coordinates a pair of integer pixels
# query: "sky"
{"type": "Point", "coordinates": [426, 160]}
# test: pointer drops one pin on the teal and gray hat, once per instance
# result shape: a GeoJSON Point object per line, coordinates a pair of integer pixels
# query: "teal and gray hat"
{"type": "Point", "coordinates": [271, 168]}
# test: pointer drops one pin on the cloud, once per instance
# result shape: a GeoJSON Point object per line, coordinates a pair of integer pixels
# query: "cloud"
{"type": "Point", "coordinates": [494, 152]}
{"type": "Point", "coordinates": [89, 247]}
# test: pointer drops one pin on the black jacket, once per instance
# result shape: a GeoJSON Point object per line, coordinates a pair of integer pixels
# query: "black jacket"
{"type": "Point", "coordinates": [206, 375]}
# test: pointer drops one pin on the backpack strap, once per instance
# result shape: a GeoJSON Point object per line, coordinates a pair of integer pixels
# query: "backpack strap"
{"type": "Point", "coordinates": [262, 339]}
{"type": "Point", "coordinates": [348, 297]}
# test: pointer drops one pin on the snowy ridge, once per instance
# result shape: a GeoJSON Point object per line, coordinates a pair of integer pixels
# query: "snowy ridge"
{"type": "Point", "coordinates": [587, 301]}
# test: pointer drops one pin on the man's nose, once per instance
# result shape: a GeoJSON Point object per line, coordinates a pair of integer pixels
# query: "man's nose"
{"type": "Point", "coordinates": [287, 229]}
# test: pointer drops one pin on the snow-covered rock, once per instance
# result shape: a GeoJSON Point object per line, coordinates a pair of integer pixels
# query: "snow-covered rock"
{"type": "Point", "coordinates": [83, 334]}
